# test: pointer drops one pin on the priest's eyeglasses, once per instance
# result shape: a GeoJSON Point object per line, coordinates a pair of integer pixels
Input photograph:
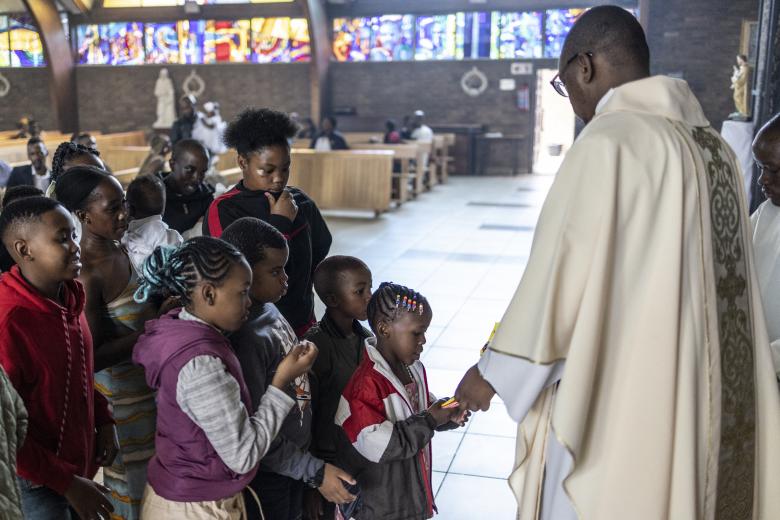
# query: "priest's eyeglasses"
{"type": "Point", "coordinates": [557, 83]}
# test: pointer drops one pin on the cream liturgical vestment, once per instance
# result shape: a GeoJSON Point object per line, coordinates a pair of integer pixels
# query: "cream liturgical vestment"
{"type": "Point", "coordinates": [634, 353]}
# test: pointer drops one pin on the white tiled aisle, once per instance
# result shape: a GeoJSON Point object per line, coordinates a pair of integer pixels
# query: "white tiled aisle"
{"type": "Point", "coordinates": [464, 246]}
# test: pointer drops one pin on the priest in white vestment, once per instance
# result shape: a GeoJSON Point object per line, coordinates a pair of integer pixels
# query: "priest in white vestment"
{"type": "Point", "coordinates": [766, 229]}
{"type": "Point", "coordinates": [634, 353]}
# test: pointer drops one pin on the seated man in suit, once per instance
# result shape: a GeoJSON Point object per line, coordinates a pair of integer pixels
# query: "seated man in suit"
{"type": "Point", "coordinates": [36, 173]}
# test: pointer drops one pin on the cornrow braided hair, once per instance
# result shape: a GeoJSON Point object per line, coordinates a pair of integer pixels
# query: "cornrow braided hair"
{"type": "Point", "coordinates": [65, 152]}
{"type": "Point", "coordinates": [390, 299]}
{"type": "Point", "coordinates": [171, 271]}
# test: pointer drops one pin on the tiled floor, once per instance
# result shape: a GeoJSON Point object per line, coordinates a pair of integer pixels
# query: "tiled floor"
{"type": "Point", "coordinates": [464, 246]}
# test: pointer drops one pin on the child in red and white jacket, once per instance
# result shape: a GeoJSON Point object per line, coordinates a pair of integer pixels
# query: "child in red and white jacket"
{"type": "Point", "coordinates": [388, 415]}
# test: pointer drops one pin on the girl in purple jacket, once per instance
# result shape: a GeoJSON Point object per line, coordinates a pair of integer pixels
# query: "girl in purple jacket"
{"type": "Point", "coordinates": [209, 440]}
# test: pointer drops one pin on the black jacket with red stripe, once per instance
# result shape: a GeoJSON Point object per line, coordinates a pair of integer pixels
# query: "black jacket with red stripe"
{"type": "Point", "coordinates": [308, 237]}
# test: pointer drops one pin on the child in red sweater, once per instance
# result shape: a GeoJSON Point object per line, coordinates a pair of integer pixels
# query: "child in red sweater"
{"type": "Point", "coordinates": [46, 350]}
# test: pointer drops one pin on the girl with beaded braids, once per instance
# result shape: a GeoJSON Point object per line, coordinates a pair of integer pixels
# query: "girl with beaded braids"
{"type": "Point", "coordinates": [67, 155]}
{"type": "Point", "coordinates": [209, 438]}
{"type": "Point", "coordinates": [388, 414]}
{"type": "Point", "coordinates": [262, 139]}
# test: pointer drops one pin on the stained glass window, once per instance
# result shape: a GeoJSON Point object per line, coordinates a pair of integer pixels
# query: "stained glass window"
{"type": "Point", "coordinates": [436, 37]}
{"type": "Point", "coordinates": [392, 38]}
{"type": "Point", "coordinates": [351, 39]}
{"type": "Point", "coordinates": [125, 43]}
{"type": "Point", "coordinates": [24, 42]}
{"type": "Point", "coordinates": [161, 43]}
{"type": "Point", "coordinates": [473, 35]}
{"type": "Point", "coordinates": [192, 34]}
{"type": "Point", "coordinates": [226, 41]}
{"type": "Point", "coordinates": [558, 24]}
{"type": "Point", "coordinates": [516, 35]}
{"type": "Point", "coordinates": [90, 48]}
{"type": "Point", "coordinates": [169, 3]}
{"type": "Point", "coordinates": [300, 43]}
{"type": "Point", "coordinates": [5, 51]}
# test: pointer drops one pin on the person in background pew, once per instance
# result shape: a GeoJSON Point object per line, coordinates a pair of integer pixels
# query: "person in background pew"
{"type": "Point", "coordinates": [261, 138]}
{"type": "Point", "coordinates": [420, 131]}
{"type": "Point", "coordinates": [5, 173]}
{"type": "Point", "coordinates": [116, 321]}
{"type": "Point", "coordinates": [37, 172]}
{"type": "Point", "coordinates": [12, 194]}
{"type": "Point", "coordinates": [392, 136]}
{"type": "Point", "coordinates": [188, 117]}
{"type": "Point", "coordinates": [406, 128]}
{"type": "Point", "coordinates": [146, 229]}
{"type": "Point", "coordinates": [156, 161]}
{"type": "Point", "coordinates": [46, 350]}
{"type": "Point", "coordinates": [188, 195]}
{"type": "Point", "coordinates": [328, 137]}
{"type": "Point", "coordinates": [308, 129]}
{"type": "Point", "coordinates": [85, 139]}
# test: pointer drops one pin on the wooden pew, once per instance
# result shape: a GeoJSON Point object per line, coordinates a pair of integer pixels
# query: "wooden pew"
{"type": "Point", "coordinates": [123, 157]}
{"type": "Point", "coordinates": [405, 154]}
{"type": "Point", "coordinates": [350, 179]}
{"type": "Point", "coordinates": [135, 138]}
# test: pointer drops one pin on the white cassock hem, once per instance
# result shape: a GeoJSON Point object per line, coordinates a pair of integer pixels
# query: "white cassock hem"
{"type": "Point", "coordinates": [519, 382]}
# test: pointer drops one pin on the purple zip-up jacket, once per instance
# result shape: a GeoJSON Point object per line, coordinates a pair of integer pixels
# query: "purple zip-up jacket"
{"type": "Point", "coordinates": [185, 467]}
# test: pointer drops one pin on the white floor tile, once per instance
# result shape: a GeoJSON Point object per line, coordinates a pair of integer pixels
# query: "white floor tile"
{"type": "Point", "coordinates": [463, 497]}
{"type": "Point", "coordinates": [484, 456]}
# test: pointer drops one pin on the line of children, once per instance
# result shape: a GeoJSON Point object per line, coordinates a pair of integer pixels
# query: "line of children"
{"type": "Point", "coordinates": [210, 437]}
{"type": "Point", "coordinates": [46, 350]}
{"type": "Point", "coordinates": [260, 345]}
{"type": "Point", "coordinates": [261, 137]}
{"type": "Point", "coordinates": [235, 408]}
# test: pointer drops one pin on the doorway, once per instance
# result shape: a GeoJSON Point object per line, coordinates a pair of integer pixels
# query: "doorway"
{"type": "Point", "coordinates": [554, 129]}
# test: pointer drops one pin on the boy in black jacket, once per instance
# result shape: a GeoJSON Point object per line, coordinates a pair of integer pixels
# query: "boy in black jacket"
{"type": "Point", "coordinates": [262, 139]}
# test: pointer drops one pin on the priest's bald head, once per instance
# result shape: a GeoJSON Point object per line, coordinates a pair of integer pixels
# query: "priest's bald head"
{"type": "Point", "coordinates": [766, 153]}
{"type": "Point", "coordinates": [605, 49]}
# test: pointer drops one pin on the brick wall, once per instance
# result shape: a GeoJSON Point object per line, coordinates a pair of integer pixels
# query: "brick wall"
{"type": "Point", "coordinates": [380, 90]}
{"type": "Point", "coordinates": [700, 40]}
{"type": "Point", "coordinates": [29, 96]}
{"type": "Point", "coordinates": [115, 99]}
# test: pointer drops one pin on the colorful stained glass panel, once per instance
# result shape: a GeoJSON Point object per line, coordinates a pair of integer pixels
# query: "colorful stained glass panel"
{"type": "Point", "coordinates": [351, 39]}
{"type": "Point", "coordinates": [557, 26]}
{"type": "Point", "coordinates": [192, 34]}
{"type": "Point", "coordinates": [436, 37]}
{"type": "Point", "coordinates": [473, 35]}
{"type": "Point", "coordinates": [91, 49]}
{"type": "Point", "coordinates": [161, 42]}
{"type": "Point", "coordinates": [392, 38]}
{"type": "Point", "coordinates": [5, 51]}
{"type": "Point", "coordinates": [226, 41]}
{"type": "Point", "coordinates": [516, 35]}
{"type": "Point", "coordinates": [24, 42]}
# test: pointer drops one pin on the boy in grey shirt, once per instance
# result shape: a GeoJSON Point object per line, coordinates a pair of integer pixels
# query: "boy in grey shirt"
{"type": "Point", "coordinates": [260, 345]}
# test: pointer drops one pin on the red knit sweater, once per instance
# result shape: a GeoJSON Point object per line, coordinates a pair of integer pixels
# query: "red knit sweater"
{"type": "Point", "coordinates": [46, 349]}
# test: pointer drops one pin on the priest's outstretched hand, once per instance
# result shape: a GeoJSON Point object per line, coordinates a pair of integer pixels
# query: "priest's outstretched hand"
{"type": "Point", "coordinates": [474, 393]}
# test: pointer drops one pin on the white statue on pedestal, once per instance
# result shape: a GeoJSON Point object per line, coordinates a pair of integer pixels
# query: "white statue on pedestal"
{"type": "Point", "coordinates": [166, 101]}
